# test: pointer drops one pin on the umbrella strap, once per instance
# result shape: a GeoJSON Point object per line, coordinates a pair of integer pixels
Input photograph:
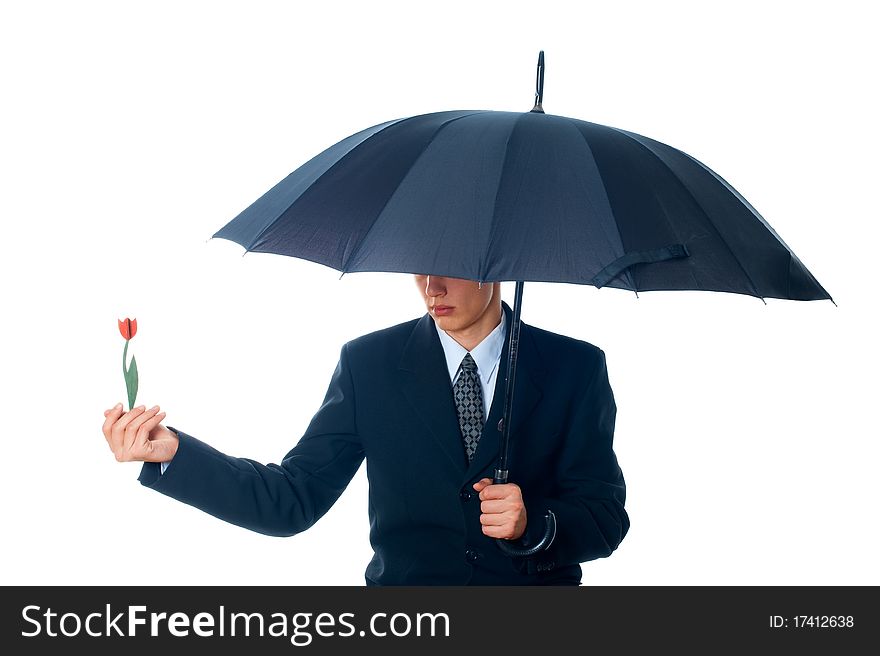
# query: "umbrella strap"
{"type": "Point", "coordinates": [614, 269]}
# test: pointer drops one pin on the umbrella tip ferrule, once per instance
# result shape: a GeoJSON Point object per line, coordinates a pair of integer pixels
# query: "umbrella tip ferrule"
{"type": "Point", "coordinates": [539, 86]}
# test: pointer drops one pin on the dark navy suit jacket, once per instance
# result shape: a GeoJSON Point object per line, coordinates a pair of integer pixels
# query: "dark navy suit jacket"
{"type": "Point", "coordinates": [390, 401]}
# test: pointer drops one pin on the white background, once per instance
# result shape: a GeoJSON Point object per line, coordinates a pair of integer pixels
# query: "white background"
{"type": "Point", "coordinates": [131, 132]}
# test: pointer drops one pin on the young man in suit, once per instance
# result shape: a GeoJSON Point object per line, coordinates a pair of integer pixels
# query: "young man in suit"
{"type": "Point", "coordinates": [413, 399]}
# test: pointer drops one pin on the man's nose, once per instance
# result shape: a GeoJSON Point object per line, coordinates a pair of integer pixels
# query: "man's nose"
{"type": "Point", "coordinates": [435, 286]}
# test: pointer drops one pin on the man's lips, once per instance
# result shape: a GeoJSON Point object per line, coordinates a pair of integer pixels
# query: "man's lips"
{"type": "Point", "coordinates": [441, 310]}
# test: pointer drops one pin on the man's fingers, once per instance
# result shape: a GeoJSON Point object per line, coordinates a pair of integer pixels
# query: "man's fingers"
{"type": "Point", "coordinates": [155, 421]}
{"type": "Point", "coordinates": [496, 519]}
{"type": "Point", "coordinates": [502, 491]}
{"type": "Point", "coordinates": [113, 413]}
{"type": "Point", "coordinates": [497, 506]}
{"type": "Point", "coordinates": [111, 416]}
{"type": "Point", "coordinates": [502, 510]}
{"type": "Point", "coordinates": [161, 449]}
{"type": "Point", "coordinates": [493, 492]}
{"type": "Point", "coordinates": [482, 483]}
{"type": "Point", "coordinates": [133, 429]}
{"type": "Point", "coordinates": [117, 434]}
{"type": "Point", "coordinates": [143, 434]}
{"type": "Point", "coordinates": [128, 432]}
{"type": "Point", "coordinates": [498, 532]}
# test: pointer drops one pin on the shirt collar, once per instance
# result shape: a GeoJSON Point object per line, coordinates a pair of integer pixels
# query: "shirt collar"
{"type": "Point", "coordinates": [487, 354]}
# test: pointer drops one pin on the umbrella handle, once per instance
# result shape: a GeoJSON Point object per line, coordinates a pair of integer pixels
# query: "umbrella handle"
{"type": "Point", "coordinates": [543, 543]}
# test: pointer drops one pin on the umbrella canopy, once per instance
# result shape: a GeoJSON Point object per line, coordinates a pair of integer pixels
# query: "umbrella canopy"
{"type": "Point", "coordinates": [494, 196]}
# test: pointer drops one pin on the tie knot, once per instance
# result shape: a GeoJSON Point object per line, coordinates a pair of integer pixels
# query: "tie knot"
{"type": "Point", "coordinates": [468, 364]}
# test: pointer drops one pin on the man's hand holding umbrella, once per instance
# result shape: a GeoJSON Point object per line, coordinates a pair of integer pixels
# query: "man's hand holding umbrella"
{"type": "Point", "coordinates": [503, 510]}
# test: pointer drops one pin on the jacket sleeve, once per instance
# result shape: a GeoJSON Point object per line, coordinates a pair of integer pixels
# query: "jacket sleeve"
{"type": "Point", "coordinates": [274, 499]}
{"type": "Point", "coordinates": [589, 504]}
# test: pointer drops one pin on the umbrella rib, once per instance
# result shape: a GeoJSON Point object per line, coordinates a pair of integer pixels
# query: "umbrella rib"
{"type": "Point", "coordinates": [358, 247]}
{"type": "Point", "coordinates": [634, 137]}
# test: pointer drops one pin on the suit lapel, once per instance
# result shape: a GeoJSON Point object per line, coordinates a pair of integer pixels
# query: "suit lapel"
{"type": "Point", "coordinates": [424, 381]}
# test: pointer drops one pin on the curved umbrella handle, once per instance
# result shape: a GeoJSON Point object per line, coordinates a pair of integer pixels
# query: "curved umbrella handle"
{"type": "Point", "coordinates": [544, 543]}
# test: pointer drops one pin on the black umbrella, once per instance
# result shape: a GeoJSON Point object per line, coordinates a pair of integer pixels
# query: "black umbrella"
{"type": "Point", "coordinates": [512, 196]}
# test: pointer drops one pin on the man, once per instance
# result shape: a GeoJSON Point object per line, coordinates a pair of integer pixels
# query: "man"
{"type": "Point", "coordinates": [413, 400]}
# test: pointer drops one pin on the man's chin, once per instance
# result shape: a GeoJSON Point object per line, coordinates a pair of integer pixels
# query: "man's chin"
{"type": "Point", "coordinates": [444, 323]}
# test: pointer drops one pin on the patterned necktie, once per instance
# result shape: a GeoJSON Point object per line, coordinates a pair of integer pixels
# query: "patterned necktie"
{"type": "Point", "coordinates": [469, 402]}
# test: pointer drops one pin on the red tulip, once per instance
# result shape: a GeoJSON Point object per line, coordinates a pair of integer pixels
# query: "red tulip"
{"type": "Point", "coordinates": [128, 328]}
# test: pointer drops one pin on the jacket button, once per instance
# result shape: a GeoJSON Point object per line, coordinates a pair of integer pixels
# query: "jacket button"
{"type": "Point", "coordinates": [470, 555]}
{"type": "Point", "coordinates": [465, 495]}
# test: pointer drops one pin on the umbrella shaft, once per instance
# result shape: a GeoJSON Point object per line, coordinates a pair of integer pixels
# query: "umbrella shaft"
{"type": "Point", "coordinates": [504, 424]}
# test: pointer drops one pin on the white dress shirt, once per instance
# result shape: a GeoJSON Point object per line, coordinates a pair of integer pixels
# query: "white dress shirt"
{"type": "Point", "coordinates": [487, 355]}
